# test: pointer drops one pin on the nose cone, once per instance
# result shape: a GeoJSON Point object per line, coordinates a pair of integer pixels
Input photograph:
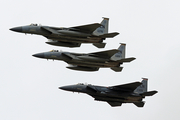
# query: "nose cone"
{"type": "Point", "coordinates": [16, 29]}
{"type": "Point", "coordinates": [67, 88]}
{"type": "Point", "coordinates": [39, 55]}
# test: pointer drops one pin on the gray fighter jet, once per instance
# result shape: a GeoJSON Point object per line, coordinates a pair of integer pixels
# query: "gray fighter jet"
{"type": "Point", "coordinates": [115, 95]}
{"type": "Point", "coordinates": [72, 36]}
{"type": "Point", "coordinates": [91, 61]}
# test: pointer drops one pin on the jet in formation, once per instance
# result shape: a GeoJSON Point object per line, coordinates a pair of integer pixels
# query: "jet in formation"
{"type": "Point", "coordinates": [71, 36]}
{"type": "Point", "coordinates": [91, 61]}
{"type": "Point", "coordinates": [115, 95]}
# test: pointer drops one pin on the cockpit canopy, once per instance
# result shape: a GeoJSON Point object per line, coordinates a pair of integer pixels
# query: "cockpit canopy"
{"type": "Point", "coordinates": [83, 84]}
{"type": "Point", "coordinates": [33, 24]}
{"type": "Point", "coordinates": [54, 51]}
{"type": "Point", "coordinates": [80, 84]}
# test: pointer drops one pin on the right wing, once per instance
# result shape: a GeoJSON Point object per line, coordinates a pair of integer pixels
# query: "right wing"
{"type": "Point", "coordinates": [104, 54]}
{"type": "Point", "coordinates": [126, 87]}
{"type": "Point", "coordinates": [84, 28]}
{"type": "Point", "coordinates": [87, 28]}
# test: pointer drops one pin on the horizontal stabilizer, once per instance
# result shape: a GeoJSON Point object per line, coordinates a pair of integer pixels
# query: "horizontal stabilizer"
{"type": "Point", "coordinates": [150, 93]}
{"type": "Point", "coordinates": [139, 104]}
{"type": "Point", "coordinates": [126, 60]}
{"type": "Point", "coordinates": [105, 54]}
{"type": "Point", "coordinates": [117, 69]}
{"type": "Point", "coordinates": [109, 35]}
{"type": "Point", "coordinates": [126, 87]}
{"type": "Point", "coordinates": [99, 45]}
{"type": "Point", "coordinates": [114, 104]}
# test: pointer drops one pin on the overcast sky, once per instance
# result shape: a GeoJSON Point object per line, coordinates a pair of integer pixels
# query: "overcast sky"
{"type": "Point", "coordinates": [29, 86]}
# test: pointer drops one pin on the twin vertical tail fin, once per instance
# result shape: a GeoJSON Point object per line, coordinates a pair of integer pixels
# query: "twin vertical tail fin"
{"type": "Point", "coordinates": [121, 54]}
{"type": "Point", "coordinates": [102, 32]}
{"type": "Point", "coordinates": [103, 29]}
{"type": "Point", "coordinates": [143, 87]}
{"type": "Point", "coordinates": [142, 90]}
{"type": "Point", "coordinates": [120, 57]}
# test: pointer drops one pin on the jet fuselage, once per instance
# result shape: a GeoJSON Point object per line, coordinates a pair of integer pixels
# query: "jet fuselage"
{"type": "Point", "coordinates": [59, 34]}
{"type": "Point", "coordinates": [78, 59]}
{"type": "Point", "coordinates": [104, 93]}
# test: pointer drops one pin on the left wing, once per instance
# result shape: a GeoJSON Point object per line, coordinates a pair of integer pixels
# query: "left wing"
{"type": "Point", "coordinates": [104, 54]}
{"type": "Point", "coordinates": [126, 87]}
{"type": "Point", "coordinates": [87, 28]}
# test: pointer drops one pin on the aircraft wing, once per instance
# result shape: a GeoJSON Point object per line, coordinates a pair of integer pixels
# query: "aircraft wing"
{"type": "Point", "coordinates": [114, 104]}
{"type": "Point", "coordinates": [87, 28]}
{"type": "Point", "coordinates": [104, 54]}
{"type": "Point", "coordinates": [126, 87]}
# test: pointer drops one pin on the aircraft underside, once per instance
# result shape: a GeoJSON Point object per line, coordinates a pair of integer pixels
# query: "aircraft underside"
{"type": "Point", "coordinates": [76, 39]}
{"type": "Point", "coordinates": [94, 64]}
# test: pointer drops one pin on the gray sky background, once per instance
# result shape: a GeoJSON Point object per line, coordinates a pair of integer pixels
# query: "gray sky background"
{"type": "Point", "coordinates": [29, 86]}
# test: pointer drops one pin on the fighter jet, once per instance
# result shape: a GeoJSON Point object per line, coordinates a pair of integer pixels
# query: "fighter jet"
{"type": "Point", "coordinates": [72, 36]}
{"type": "Point", "coordinates": [115, 95]}
{"type": "Point", "coordinates": [91, 61]}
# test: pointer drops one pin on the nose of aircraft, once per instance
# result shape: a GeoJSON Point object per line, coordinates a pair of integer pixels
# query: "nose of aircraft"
{"type": "Point", "coordinates": [68, 88]}
{"type": "Point", "coordinates": [16, 29]}
{"type": "Point", "coordinates": [39, 55]}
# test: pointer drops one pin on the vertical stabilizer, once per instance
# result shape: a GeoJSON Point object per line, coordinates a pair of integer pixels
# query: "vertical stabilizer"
{"type": "Point", "coordinates": [143, 87]}
{"type": "Point", "coordinates": [103, 29]}
{"type": "Point", "coordinates": [121, 54]}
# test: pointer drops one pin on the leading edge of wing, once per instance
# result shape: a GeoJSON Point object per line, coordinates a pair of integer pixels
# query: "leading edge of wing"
{"type": "Point", "coordinates": [126, 87]}
{"type": "Point", "coordinates": [105, 54]}
{"type": "Point", "coordinates": [87, 28]}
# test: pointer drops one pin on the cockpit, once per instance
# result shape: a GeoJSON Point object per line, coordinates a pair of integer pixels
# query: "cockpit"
{"type": "Point", "coordinates": [80, 84]}
{"type": "Point", "coordinates": [83, 84]}
{"type": "Point", "coordinates": [33, 24]}
{"type": "Point", "coordinates": [54, 51]}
